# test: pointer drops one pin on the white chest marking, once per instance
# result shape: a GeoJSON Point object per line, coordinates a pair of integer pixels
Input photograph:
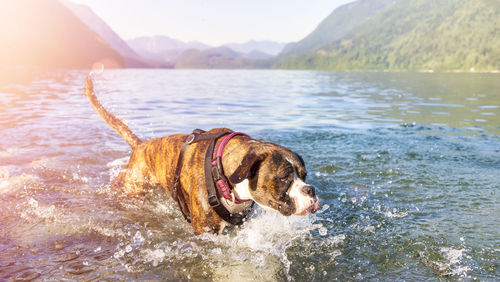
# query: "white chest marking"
{"type": "Point", "coordinates": [242, 190]}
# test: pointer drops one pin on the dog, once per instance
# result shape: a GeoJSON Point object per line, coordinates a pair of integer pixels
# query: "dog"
{"type": "Point", "coordinates": [213, 191]}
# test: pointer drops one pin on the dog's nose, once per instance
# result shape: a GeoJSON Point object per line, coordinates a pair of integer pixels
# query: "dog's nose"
{"type": "Point", "coordinates": [308, 190]}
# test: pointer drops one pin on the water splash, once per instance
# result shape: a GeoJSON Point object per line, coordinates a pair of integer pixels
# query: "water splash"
{"type": "Point", "coordinates": [256, 250]}
{"type": "Point", "coordinates": [454, 262]}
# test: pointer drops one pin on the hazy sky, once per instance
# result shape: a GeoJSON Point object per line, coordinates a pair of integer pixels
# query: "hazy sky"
{"type": "Point", "coordinates": [214, 21]}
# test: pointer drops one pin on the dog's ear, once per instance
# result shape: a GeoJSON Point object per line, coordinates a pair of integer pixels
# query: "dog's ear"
{"type": "Point", "coordinates": [301, 160]}
{"type": "Point", "coordinates": [248, 167]}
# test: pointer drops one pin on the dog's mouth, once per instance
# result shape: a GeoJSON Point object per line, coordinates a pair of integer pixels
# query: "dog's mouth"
{"type": "Point", "coordinates": [313, 208]}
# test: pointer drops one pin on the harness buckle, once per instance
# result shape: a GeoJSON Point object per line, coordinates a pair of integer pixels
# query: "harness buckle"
{"type": "Point", "coordinates": [216, 173]}
{"type": "Point", "coordinates": [217, 165]}
{"type": "Point", "coordinates": [213, 201]}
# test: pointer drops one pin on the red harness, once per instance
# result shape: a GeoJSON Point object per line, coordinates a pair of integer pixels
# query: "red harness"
{"type": "Point", "coordinates": [218, 170]}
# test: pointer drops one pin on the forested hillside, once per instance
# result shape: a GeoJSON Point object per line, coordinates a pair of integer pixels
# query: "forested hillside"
{"type": "Point", "coordinates": [444, 35]}
{"type": "Point", "coordinates": [339, 23]}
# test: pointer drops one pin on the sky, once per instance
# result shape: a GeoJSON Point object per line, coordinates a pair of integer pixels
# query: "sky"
{"type": "Point", "coordinates": [214, 22]}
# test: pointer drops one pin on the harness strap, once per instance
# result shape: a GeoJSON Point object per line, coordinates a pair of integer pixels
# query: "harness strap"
{"type": "Point", "coordinates": [212, 173]}
{"type": "Point", "coordinates": [177, 193]}
{"type": "Point", "coordinates": [213, 197]}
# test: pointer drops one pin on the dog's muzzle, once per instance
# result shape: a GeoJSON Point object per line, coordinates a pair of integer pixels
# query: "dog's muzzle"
{"type": "Point", "coordinates": [305, 199]}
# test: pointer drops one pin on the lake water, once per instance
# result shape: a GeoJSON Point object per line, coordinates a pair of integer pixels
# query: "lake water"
{"type": "Point", "coordinates": [406, 167]}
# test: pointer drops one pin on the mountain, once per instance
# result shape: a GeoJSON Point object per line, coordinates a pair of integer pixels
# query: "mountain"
{"type": "Point", "coordinates": [266, 46]}
{"type": "Point", "coordinates": [47, 34]}
{"type": "Point", "coordinates": [339, 23]}
{"type": "Point", "coordinates": [95, 23]}
{"type": "Point", "coordinates": [162, 48]}
{"type": "Point", "coordinates": [218, 58]}
{"type": "Point", "coordinates": [258, 55]}
{"type": "Point", "coordinates": [166, 49]}
{"type": "Point", "coordinates": [446, 35]}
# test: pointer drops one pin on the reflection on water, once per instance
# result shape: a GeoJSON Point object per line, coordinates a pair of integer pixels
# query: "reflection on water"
{"type": "Point", "coordinates": [405, 164]}
{"type": "Point", "coordinates": [455, 100]}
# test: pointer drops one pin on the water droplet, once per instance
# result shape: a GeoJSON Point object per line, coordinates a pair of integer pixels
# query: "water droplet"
{"type": "Point", "coordinates": [370, 228]}
{"type": "Point", "coordinates": [119, 254]}
{"type": "Point", "coordinates": [323, 231]}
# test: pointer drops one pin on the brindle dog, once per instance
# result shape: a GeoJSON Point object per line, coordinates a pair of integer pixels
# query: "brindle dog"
{"type": "Point", "coordinates": [266, 173]}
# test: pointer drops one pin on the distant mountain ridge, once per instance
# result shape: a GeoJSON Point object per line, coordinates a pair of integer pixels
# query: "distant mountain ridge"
{"type": "Point", "coordinates": [163, 48]}
{"type": "Point", "coordinates": [447, 35]}
{"type": "Point", "coordinates": [222, 58]}
{"type": "Point", "coordinates": [62, 34]}
{"type": "Point", "coordinates": [46, 34]}
{"type": "Point", "coordinates": [265, 46]}
{"type": "Point", "coordinates": [160, 43]}
{"type": "Point", "coordinates": [95, 23]}
{"type": "Point", "coordinates": [166, 49]}
{"type": "Point", "coordinates": [415, 35]}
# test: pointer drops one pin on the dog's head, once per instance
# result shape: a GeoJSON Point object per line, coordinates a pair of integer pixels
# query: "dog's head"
{"type": "Point", "coordinates": [276, 179]}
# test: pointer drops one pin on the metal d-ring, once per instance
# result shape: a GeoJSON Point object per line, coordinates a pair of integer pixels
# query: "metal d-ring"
{"type": "Point", "coordinates": [190, 139]}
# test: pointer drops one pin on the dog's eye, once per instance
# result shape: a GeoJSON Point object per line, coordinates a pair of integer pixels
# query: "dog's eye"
{"type": "Point", "coordinates": [285, 179]}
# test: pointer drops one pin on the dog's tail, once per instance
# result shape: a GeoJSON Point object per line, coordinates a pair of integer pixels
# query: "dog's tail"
{"type": "Point", "coordinates": [118, 125]}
